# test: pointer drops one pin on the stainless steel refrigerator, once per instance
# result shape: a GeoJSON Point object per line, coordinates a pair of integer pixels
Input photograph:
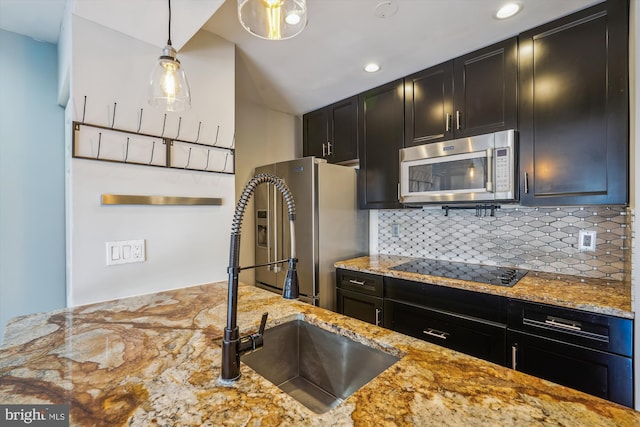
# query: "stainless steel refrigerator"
{"type": "Point", "coordinates": [328, 226]}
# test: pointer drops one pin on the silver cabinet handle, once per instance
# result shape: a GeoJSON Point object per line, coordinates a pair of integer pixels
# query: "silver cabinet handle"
{"type": "Point", "coordinates": [458, 127]}
{"type": "Point", "coordinates": [561, 324]}
{"type": "Point", "coordinates": [324, 150]}
{"type": "Point", "coordinates": [436, 333]}
{"type": "Point", "coordinates": [378, 313]}
{"type": "Point", "coordinates": [447, 123]}
{"type": "Point", "coordinates": [357, 282]}
{"type": "Point", "coordinates": [329, 150]}
{"type": "Point", "coordinates": [514, 357]}
{"type": "Point", "coordinates": [526, 183]}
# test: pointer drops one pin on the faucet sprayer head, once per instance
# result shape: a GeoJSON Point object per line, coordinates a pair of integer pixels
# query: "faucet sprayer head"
{"type": "Point", "coordinates": [290, 289]}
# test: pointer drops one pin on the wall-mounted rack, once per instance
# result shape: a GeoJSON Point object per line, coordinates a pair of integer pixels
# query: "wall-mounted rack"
{"type": "Point", "coordinates": [111, 144]}
{"type": "Point", "coordinates": [481, 210]}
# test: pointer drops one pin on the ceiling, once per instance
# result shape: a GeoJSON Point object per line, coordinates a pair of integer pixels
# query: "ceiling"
{"type": "Point", "coordinates": [325, 62]}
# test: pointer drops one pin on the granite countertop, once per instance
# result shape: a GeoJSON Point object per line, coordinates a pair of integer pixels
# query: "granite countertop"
{"type": "Point", "coordinates": [594, 295]}
{"type": "Point", "coordinates": [155, 360]}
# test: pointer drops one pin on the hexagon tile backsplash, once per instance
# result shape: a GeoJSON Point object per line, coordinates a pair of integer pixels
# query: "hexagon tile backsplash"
{"type": "Point", "coordinates": [541, 239]}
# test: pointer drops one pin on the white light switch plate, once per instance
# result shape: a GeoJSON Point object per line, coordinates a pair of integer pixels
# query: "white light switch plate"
{"type": "Point", "coordinates": [125, 252]}
{"type": "Point", "coordinates": [587, 240]}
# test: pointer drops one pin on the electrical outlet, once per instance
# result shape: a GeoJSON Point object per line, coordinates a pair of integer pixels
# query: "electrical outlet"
{"type": "Point", "coordinates": [395, 230]}
{"type": "Point", "coordinates": [587, 240]}
{"type": "Point", "coordinates": [125, 252]}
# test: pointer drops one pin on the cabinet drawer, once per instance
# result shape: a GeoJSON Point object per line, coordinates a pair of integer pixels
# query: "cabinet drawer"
{"type": "Point", "coordinates": [482, 339]}
{"type": "Point", "coordinates": [473, 304]}
{"type": "Point", "coordinates": [601, 374]}
{"type": "Point", "coordinates": [596, 331]}
{"type": "Point", "coordinates": [359, 306]}
{"type": "Point", "coordinates": [369, 284]}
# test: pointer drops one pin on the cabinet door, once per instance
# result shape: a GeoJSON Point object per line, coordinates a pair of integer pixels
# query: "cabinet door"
{"type": "Point", "coordinates": [381, 136]}
{"type": "Point", "coordinates": [595, 372]}
{"type": "Point", "coordinates": [574, 124]}
{"type": "Point", "coordinates": [315, 133]}
{"type": "Point", "coordinates": [482, 339]}
{"type": "Point", "coordinates": [360, 306]}
{"type": "Point", "coordinates": [486, 86]}
{"type": "Point", "coordinates": [429, 105]}
{"type": "Point", "coordinates": [343, 125]}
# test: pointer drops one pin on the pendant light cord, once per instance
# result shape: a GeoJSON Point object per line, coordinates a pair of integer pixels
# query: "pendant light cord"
{"type": "Point", "coordinates": [169, 40]}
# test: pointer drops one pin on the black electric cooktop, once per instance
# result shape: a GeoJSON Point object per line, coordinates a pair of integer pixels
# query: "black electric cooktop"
{"type": "Point", "coordinates": [488, 274]}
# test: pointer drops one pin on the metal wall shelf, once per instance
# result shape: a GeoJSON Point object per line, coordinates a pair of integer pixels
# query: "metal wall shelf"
{"type": "Point", "coordinates": [124, 199]}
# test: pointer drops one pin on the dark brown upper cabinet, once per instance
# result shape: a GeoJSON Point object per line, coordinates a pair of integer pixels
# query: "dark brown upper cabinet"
{"type": "Point", "coordinates": [331, 132]}
{"type": "Point", "coordinates": [470, 95]}
{"type": "Point", "coordinates": [381, 136]}
{"type": "Point", "coordinates": [574, 117]}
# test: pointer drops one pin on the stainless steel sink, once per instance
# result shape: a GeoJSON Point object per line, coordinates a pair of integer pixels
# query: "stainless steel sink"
{"type": "Point", "coordinates": [316, 367]}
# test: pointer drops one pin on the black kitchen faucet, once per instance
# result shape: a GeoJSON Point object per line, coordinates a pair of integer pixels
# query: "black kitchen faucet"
{"type": "Point", "coordinates": [232, 344]}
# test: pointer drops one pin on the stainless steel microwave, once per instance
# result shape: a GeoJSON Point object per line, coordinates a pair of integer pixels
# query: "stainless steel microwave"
{"type": "Point", "coordinates": [478, 168]}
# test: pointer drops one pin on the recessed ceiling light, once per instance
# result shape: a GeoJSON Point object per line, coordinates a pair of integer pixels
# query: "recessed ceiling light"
{"type": "Point", "coordinates": [508, 10]}
{"type": "Point", "coordinates": [371, 68]}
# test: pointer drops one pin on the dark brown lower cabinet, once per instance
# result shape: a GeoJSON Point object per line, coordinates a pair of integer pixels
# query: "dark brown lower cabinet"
{"type": "Point", "coordinates": [360, 306]}
{"type": "Point", "coordinates": [476, 337]}
{"type": "Point", "coordinates": [601, 374]}
{"type": "Point", "coordinates": [359, 295]}
{"type": "Point", "coordinates": [586, 351]}
{"type": "Point", "coordinates": [590, 352]}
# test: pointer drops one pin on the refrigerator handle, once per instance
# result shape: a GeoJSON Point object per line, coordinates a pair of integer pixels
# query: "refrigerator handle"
{"type": "Point", "coordinates": [275, 218]}
{"type": "Point", "coordinates": [269, 231]}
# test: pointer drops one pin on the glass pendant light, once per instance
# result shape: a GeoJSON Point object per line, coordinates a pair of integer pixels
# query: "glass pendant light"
{"type": "Point", "coordinates": [168, 87]}
{"type": "Point", "coordinates": [273, 19]}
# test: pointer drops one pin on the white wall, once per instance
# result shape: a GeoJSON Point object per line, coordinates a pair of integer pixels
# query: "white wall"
{"type": "Point", "coordinates": [263, 136]}
{"type": "Point", "coordinates": [185, 245]}
{"type": "Point", "coordinates": [32, 245]}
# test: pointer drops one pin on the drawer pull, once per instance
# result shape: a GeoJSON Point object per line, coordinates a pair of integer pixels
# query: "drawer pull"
{"type": "Point", "coordinates": [561, 324]}
{"type": "Point", "coordinates": [556, 324]}
{"type": "Point", "coordinates": [436, 333]}
{"type": "Point", "coordinates": [514, 357]}
{"type": "Point", "coordinates": [378, 313]}
{"type": "Point", "coordinates": [357, 282]}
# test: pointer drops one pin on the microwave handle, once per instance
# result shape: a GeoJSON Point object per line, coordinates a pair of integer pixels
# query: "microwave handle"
{"type": "Point", "coordinates": [489, 170]}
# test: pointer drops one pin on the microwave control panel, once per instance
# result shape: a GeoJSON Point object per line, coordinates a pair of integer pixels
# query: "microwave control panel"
{"type": "Point", "coordinates": [503, 170]}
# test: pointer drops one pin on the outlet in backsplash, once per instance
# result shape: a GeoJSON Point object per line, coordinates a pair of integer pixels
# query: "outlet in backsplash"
{"type": "Point", "coordinates": [540, 239]}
